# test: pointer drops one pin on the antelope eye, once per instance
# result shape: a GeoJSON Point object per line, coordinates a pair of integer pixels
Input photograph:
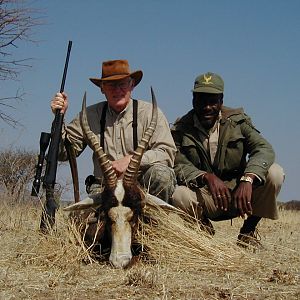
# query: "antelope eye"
{"type": "Point", "coordinates": [112, 214]}
{"type": "Point", "coordinates": [129, 215]}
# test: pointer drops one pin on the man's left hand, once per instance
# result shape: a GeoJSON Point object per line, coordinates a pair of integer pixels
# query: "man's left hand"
{"type": "Point", "coordinates": [121, 165]}
{"type": "Point", "coordinates": [242, 198]}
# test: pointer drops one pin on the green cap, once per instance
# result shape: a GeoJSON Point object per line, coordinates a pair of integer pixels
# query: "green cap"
{"type": "Point", "coordinates": [209, 83]}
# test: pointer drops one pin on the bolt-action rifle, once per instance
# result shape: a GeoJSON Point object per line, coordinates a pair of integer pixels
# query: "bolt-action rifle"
{"type": "Point", "coordinates": [50, 206]}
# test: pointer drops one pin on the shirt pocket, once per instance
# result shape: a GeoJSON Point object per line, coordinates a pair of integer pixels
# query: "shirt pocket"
{"type": "Point", "coordinates": [234, 155]}
{"type": "Point", "coordinates": [194, 153]}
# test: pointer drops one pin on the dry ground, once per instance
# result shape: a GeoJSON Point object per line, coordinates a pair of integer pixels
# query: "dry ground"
{"type": "Point", "coordinates": [182, 262]}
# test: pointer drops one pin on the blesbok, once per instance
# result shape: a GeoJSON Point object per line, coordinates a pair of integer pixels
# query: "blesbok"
{"type": "Point", "coordinates": [122, 200]}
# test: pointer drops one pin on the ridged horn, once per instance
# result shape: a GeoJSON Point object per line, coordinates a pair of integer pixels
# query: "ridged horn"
{"type": "Point", "coordinates": [94, 143]}
{"type": "Point", "coordinates": [134, 164]}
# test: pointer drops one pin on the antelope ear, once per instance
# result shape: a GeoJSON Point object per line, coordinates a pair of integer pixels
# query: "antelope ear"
{"type": "Point", "coordinates": [89, 202]}
{"type": "Point", "coordinates": [153, 200]}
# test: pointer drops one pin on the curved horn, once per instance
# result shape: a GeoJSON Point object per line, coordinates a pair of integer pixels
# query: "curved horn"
{"type": "Point", "coordinates": [91, 201]}
{"type": "Point", "coordinates": [133, 167]}
{"type": "Point", "coordinates": [93, 141]}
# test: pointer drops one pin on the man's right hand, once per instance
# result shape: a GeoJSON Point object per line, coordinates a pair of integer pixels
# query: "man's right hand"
{"type": "Point", "coordinates": [218, 190]}
{"type": "Point", "coordinates": [59, 101]}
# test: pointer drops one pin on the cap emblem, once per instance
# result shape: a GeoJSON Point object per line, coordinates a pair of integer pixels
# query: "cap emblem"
{"type": "Point", "coordinates": [207, 79]}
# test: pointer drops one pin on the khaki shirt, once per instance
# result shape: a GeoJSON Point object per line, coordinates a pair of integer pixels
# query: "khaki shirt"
{"type": "Point", "coordinates": [211, 138]}
{"type": "Point", "coordinates": [118, 135]}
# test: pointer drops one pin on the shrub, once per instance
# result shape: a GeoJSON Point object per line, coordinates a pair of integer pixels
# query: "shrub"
{"type": "Point", "coordinates": [17, 169]}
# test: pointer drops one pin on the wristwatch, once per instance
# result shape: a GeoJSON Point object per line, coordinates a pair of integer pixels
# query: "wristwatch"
{"type": "Point", "coordinates": [247, 179]}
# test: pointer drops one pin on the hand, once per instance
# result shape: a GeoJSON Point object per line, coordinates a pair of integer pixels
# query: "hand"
{"type": "Point", "coordinates": [59, 101]}
{"type": "Point", "coordinates": [121, 165]}
{"type": "Point", "coordinates": [218, 190]}
{"type": "Point", "coordinates": [242, 198]}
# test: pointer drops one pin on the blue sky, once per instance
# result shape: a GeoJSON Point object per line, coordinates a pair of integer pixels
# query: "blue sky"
{"type": "Point", "coordinates": [253, 45]}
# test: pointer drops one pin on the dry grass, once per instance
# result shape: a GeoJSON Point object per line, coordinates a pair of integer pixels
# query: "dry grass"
{"type": "Point", "coordinates": [180, 261]}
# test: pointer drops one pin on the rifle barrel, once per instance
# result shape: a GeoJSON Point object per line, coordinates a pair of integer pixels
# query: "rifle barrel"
{"type": "Point", "coordinates": [51, 167]}
{"type": "Point", "coordinates": [62, 87]}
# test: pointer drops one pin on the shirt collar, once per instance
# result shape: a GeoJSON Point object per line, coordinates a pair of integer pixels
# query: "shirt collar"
{"type": "Point", "coordinates": [121, 113]}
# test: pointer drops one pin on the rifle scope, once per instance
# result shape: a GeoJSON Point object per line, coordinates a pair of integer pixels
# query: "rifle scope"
{"type": "Point", "coordinates": [44, 142]}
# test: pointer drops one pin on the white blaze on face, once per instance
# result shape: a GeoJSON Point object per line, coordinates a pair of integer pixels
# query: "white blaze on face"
{"type": "Point", "coordinates": [120, 216]}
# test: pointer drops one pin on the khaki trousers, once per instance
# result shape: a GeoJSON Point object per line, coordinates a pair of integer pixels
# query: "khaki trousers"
{"type": "Point", "coordinates": [158, 180]}
{"type": "Point", "coordinates": [200, 202]}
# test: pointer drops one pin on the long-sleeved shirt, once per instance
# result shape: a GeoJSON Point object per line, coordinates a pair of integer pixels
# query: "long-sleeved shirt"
{"type": "Point", "coordinates": [118, 135]}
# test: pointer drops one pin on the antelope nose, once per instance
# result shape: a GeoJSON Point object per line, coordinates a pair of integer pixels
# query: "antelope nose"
{"type": "Point", "coordinates": [120, 261]}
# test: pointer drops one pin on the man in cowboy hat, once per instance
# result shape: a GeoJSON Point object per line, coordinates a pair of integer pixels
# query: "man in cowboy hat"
{"type": "Point", "coordinates": [224, 167]}
{"type": "Point", "coordinates": [113, 121]}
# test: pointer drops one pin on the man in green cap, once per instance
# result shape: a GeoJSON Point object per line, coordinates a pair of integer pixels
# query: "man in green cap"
{"type": "Point", "coordinates": [224, 167]}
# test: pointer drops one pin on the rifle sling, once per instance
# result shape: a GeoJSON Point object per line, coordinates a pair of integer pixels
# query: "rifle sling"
{"type": "Point", "coordinates": [134, 124]}
{"type": "Point", "coordinates": [73, 166]}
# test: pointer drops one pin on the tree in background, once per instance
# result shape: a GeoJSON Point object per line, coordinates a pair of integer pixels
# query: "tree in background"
{"type": "Point", "coordinates": [16, 173]}
{"type": "Point", "coordinates": [16, 26]}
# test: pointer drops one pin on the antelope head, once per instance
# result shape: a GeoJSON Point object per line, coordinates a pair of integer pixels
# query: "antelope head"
{"type": "Point", "coordinates": [122, 199]}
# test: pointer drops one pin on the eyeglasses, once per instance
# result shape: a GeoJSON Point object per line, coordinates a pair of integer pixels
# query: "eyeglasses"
{"type": "Point", "coordinates": [124, 84]}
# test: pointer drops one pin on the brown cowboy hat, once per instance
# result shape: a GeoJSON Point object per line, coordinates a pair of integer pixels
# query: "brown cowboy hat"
{"type": "Point", "coordinates": [116, 70]}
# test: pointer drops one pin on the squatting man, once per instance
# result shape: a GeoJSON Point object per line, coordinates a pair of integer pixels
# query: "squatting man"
{"type": "Point", "coordinates": [224, 167]}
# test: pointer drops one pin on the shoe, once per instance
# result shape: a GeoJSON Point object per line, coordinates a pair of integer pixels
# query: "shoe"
{"type": "Point", "coordinates": [207, 226]}
{"type": "Point", "coordinates": [250, 239]}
